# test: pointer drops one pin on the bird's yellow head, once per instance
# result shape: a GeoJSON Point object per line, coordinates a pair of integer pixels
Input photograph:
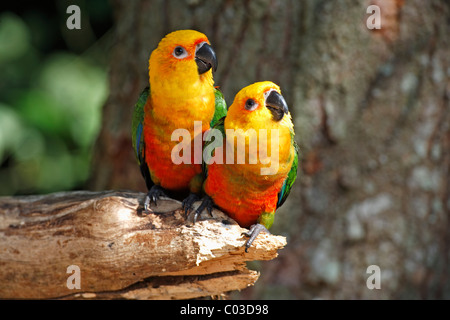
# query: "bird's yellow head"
{"type": "Point", "coordinates": [183, 58]}
{"type": "Point", "coordinates": [259, 106]}
{"type": "Point", "coordinates": [259, 114]}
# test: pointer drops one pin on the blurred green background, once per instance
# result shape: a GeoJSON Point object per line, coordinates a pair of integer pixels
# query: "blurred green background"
{"type": "Point", "coordinates": [53, 83]}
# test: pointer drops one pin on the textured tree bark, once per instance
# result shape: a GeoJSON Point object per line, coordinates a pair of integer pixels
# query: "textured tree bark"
{"type": "Point", "coordinates": [372, 116]}
{"type": "Point", "coordinates": [120, 252]}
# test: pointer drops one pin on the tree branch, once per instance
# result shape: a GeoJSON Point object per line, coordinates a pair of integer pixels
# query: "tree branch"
{"type": "Point", "coordinates": [121, 252]}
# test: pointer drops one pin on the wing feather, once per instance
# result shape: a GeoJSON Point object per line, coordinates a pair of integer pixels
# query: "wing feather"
{"type": "Point", "coordinates": [292, 175]}
{"type": "Point", "coordinates": [138, 136]}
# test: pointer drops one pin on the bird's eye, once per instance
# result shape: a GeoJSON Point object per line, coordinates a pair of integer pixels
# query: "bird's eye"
{"type": "Point", "coordinates": [180, 52]}
{"type": "Point", "coordinates": [251, 105]}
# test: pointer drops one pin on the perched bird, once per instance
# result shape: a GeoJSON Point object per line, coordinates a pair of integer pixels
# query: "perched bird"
{"type": "Point", "coordinates": [250, 190]}
{"type": "Point", "coordinates": [181, 91]}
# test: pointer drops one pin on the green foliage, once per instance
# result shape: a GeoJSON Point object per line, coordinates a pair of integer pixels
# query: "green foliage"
{"type": "Point", "coordinates": [50, 111]}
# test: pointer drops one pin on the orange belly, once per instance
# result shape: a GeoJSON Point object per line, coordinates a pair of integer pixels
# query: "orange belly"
{"type": "Point", "coordinates": [242, 199]}
{"type": "Point", "coordinates": [163, 171]}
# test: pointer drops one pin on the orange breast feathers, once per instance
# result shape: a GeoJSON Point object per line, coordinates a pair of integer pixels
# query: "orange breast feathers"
{"type": "Point", "coordinates": [239, 197]}
{"type": "Point", "coordinates": [241, 190]}
{"type": "Point", "coordinates": [161, 120]}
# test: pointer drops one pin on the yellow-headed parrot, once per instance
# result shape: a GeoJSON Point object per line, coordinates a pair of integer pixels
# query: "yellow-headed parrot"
{"type": "Point", "coordinates": [181, 91]}
{"type": "Point", "coordinates": [251, 189]}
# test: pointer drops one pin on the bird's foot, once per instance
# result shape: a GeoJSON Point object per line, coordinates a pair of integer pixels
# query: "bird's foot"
{"type": "Point", "coordinates": [187, 203]}
{"type": "Point", "coordinates": [253, 233]}
{"type": "Point", "coordinates": [207, 203]}
{"type": "Point", "coordinates": [153, 195]}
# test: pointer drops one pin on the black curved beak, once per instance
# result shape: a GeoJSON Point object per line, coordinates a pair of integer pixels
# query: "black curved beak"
{"type": "Point", "coordinates": [277, 105]}
{"type": "Point", "coordinates": [205, 57]}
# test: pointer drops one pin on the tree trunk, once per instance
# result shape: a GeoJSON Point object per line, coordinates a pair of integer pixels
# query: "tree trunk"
{"type": "Point", "coordinates": [372, 116]}
{"type": "Point", "coordinates": [116, 251]}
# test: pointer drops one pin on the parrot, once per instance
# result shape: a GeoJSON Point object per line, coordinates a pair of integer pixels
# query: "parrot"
{"type": "Point", "coordinates": [243, 190]}
{"type": "Point", "coordinates": [181, 90]}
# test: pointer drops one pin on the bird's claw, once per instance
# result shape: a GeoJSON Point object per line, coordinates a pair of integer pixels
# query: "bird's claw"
{"type": "Point", "coordinates": [153, 195]}
{"type": "Point", "coordinates": [253, 232]}
{"type": "Point", "coordinates": [187, 203]}
{"type": "Point", "coordinates": [207, 203]}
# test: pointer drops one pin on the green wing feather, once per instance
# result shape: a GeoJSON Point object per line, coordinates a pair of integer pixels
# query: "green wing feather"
{"type": "Point", "coordinates": [138, 124]}
{"type": "Point", "coordinates": [219, 125]}
{"type": "Point", "coordinates": [137, 135]}
{"type": "Point", "coordinates": [292, 175]}
{"type": "Point", "coordinates": [221, 107]}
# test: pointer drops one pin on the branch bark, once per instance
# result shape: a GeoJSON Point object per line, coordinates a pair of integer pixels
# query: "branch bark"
{"type": "Point", "coordinates": [121, 251]}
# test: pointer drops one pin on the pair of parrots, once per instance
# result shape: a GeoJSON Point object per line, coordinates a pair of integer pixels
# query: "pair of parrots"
{"type": "Point", "coordinates": [182, 92]}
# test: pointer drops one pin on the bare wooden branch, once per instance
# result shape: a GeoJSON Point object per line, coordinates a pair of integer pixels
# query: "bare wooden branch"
{"type": "Point", "coordinates": [120, 251]}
